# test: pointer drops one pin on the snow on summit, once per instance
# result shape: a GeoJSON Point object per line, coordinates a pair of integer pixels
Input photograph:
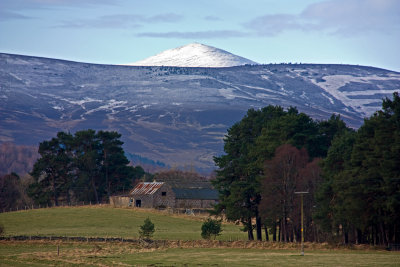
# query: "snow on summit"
{"type": "Point", "coordinates": [194, 55]}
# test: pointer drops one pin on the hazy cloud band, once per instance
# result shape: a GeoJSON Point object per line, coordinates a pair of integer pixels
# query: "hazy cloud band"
{"type": "Point", "coordinates": [194, 35]}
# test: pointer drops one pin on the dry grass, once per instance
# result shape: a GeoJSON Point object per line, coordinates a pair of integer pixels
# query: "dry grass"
{"type": "Point", "coordinates": [189, 253]}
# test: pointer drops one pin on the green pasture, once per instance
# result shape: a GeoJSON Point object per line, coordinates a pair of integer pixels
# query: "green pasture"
{"type": "Point", "coordinates": [123, 254]}
{"type": "Point", "coordinates": [105, 221]}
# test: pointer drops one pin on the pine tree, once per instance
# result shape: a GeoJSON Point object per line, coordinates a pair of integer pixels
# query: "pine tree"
{"type": "Point", "coordinates": [147, 230]}
{"type": "Point", "coordinates": [211, 228]}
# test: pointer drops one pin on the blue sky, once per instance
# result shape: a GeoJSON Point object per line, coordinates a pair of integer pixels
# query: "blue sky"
{"type": "Point", "coordinates": [363, 32]}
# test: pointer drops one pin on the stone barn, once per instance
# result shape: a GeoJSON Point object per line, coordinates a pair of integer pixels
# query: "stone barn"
{"type": "Point", "coordinates": [152, 195]}
{"type": "Point", "coordinates": [169, 195]}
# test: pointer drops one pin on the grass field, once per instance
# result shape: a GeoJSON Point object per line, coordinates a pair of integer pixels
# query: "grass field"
{"type": "Point", "coordinates": [39, 253]}
{"type": "Point", "coordinates": [105, 221]}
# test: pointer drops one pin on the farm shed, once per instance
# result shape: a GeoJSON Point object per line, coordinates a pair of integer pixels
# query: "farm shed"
{"type": "Point", "coordinates": [172, 195]}
{"type": "Point", "coordinates": [198, 198]}
{"type": "Point", "coordinates": [152, 195]}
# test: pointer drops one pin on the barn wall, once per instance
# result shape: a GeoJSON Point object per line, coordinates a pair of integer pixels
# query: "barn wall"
{"type": "Point", "coordinates": [146, 200]}
{"type": "Point", "coordinates": [120, 201]}
{"type": "Point", "coordinates": [161, 201]}
{"type": "Point", "coordinates": [208, 203]}
{"type": "Point", "coordinates": [162, 195]}
{"type": "Point", "coordinates": [194, 203]}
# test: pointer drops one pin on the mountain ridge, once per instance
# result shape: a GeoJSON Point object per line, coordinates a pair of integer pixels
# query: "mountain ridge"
{"type": "Point", "coordinates": [174, 115]}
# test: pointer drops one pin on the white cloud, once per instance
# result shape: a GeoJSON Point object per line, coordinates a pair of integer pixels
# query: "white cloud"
{"type": "Point", "coordinates": [7, 15]}
{"type": "Point", "coordinates": [343, 17]}
{"type": "Point", "coordinates": [37, 4]}
{"type": "Point", "coordinates": [122, 21]}
{"type": "Point", "coordinates": [192, 35]}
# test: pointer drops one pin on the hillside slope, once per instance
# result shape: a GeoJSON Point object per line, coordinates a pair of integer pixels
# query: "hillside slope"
{"type": "Point", "coordinates": [174, 115]}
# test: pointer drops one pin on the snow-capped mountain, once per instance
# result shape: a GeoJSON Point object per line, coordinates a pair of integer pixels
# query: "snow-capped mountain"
{"type": "Point", "coordinates": [174, 115]}
{"type": "Point", "coordinates": [194, 55]}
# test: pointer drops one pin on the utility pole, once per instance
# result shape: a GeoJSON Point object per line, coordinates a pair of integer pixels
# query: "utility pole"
{"type": "Point", "coordinates": [302, 221]}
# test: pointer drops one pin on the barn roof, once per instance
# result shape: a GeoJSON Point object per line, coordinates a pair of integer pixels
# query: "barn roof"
{"type": "Point", "coordinates": [146, 188]}
{"type": "Point", "coordinates": [195, 193]}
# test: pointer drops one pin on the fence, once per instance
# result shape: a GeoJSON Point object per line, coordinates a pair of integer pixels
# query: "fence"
{"type": "Point", "coordinates": [62, 204]}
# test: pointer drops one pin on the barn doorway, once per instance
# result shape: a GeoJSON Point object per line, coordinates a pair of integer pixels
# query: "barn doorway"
{"type": "Point", "coordinates": [138, 203]}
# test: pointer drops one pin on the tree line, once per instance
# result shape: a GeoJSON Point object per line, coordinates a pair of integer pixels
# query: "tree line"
{"type": "Point", "coordinates": [85, 166]}
{"type": "Point", "coordinates": [353, 177]}
{"type": "Point", "coordinates": [359, 198]}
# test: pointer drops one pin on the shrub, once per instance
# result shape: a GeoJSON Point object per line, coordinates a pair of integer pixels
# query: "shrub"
{"type": "Point", "coordinates": [146, 230]}
{"type": "Point", "coordinates": [211, 228]}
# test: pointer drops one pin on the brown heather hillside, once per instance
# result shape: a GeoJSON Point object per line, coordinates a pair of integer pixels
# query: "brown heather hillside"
{"type": "Point", "coordinates": [17, 158]}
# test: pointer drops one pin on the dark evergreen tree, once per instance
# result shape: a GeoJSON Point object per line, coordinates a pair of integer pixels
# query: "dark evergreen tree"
{"type": "Point", "coordinates": [330, 200]}
{"type": "Point", "coordinates": [88, 156]}
{"type": "Point", "coordinates": [359, 198]}
{"type": "Point", "coordinates": [9, 192]}
{"type": "Point", "coordinates": [211, 228]}
{"type": "Point", "coordinates": [117, 175]}
{"type": "Point", "coordinates": [147, 230]}
{"type": "Point", "coordinates": [375, 174]}
{"type": "Point", "coordinates": [252, 141]}
{"type": "Point", "coordinates": [52, 171]}
{"type": "Point", "coordinates": [87, 166]}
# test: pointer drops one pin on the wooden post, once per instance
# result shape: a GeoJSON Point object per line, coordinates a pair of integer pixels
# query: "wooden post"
{"type": "Point", "coordinates": [302, 227]}
{"type": "Point", "coordinates": [302, 221]}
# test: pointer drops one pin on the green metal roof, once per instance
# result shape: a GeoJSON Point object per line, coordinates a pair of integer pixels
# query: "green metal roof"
{"type": "Point", "coordinates": [196, 193]}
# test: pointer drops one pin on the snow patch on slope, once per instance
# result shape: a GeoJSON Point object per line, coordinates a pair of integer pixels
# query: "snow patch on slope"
{"type": "Point", "coordinates": [194, 55]}
{"type": "Point", "coordinates": [332, 84]}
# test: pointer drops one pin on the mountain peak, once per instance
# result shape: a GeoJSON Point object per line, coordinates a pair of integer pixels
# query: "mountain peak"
{"type": "Point", "coordinates": [194, 55]}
